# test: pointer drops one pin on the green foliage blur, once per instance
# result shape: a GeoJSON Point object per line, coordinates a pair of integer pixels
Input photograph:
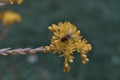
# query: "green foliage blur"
{"type": "Point", "coordinates": [99, 23]}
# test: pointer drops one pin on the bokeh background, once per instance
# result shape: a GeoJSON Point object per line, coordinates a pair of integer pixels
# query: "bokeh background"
{"type": "Point", "coordinates": [99, 23]}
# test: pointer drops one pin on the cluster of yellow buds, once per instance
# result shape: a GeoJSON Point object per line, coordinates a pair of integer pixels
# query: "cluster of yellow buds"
{"type": "Point", "coordinates": [67, 39]}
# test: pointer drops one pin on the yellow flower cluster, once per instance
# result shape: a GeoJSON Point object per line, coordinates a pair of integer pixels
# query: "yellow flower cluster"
{"type": "Point", "coordinates": [9, 17]}
{"type": "Point", "coordinates": [66, 39]}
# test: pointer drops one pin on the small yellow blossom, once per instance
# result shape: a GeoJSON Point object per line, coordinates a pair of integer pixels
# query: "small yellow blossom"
{"type": "Point", "coordinates": [9, 17]}
{"type": "Point", "coordinates": [66, 39]}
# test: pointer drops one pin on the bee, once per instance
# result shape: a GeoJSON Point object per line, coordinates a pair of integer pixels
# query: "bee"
{"type": "Point", "coordinates": [66, 37]}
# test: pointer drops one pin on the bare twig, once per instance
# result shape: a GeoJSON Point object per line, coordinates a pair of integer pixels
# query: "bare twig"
{"type": "Point", "coordinates": [6, 51]}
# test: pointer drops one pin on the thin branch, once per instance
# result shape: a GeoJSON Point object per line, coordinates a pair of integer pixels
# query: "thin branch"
{"type": "Point", "coordinates": [6, 51]}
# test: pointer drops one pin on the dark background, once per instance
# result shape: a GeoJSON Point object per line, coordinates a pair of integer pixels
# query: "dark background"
{"type": "Point", "coordinates": [99, 23]}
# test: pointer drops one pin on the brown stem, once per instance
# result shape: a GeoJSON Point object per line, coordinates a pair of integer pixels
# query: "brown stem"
{"type": "Point", "coordinates": [3, 34]}
{"type": "Point", "coordinates": [6, 51]}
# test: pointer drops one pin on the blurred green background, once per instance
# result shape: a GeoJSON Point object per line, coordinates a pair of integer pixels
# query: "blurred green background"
{"type": "Point", "coordinates": [99, 23]}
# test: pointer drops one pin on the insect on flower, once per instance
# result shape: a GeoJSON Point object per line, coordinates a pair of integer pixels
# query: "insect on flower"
{"type": "Point", "coordinates": [66, 40]}
{"type": "Point", "coordinates": [66, 37]}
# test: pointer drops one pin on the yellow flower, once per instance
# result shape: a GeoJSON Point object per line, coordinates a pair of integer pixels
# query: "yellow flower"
{"type": "Point", "coordinates": [9, 17]}
{"type": "Point", "coordinates": [66, 40]}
